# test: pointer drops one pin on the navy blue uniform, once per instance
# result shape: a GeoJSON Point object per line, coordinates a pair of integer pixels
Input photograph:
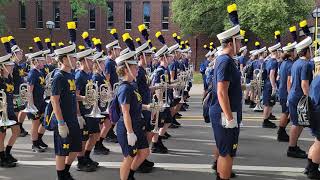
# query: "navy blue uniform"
{"type": "Point", "coordinates": [110, 69]}
{"type": "Point", "coordinates": [300, 71]}
{"type": "Point", "coordinates": [226, 139]}
{"type": "Point", "coordinates": [156, 78]}
{"type": "Point", "coordinates": [18, 75]}
{"type": "Point", "coordinates": [128, 94]}
{"type": "Point", "coordinates": [284, 73]}
{"type": "Point", "coordinates": [145, 93]}
{"type": "Point", "coordinates": [6, 84]}
{"type": "Point", "coordinates": [203, 67]}
{"type": "Point", "coordinates": [242, 61]}
{"type": "Point", "coordinates": [37, 79]}
{"type": "Point", "coordinates": [315, 99]}
{"type": "Point", "coordinates": [271, 64]}
{"type": "Point", "coordinates": [82, 78]}
{"type": "Point", "coordinates": [63, 85]}
{"type": "Point", "coordinates": [174, 67]}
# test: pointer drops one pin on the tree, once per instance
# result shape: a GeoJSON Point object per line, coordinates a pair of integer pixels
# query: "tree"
{"type": "Point", "coordinates": [262, 17]}
{"type": "Point", "coordinates": [79, 7]}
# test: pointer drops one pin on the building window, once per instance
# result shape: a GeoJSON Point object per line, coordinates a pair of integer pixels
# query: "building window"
{"type": "Point", "coordinates": [110, 17]}
{"type": "Point", "coordinates": [146, 14]}
{"type": "Point", "coordinates": [56, 14]}
{"type": "Point", "coordinates": [39, 16]}
{"type": "Point", "coordinates": [128, 15]}
{"type": "Point", "coordinates": [92, 17]}
{"type": "Point", "coordinates": [22, 15]}
{"type": "Point", "coordinates": [165, 15]}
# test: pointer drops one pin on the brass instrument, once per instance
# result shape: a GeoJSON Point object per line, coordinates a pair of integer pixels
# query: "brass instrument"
{"type": "Point", "coordinates": [257, 74]}
{"type": "Point", "coordinates": [149, 74]}
{"type": "Point", "coordinates": [92, 99]}
{"type": "Point", "coordinates": [4, 121]}
{"type": "Point", "coordinates": [165, 84]}
{"type": "Point", "coordinates": [156, 110]}
{"type": "Point", "coordinates": [27, 97]}
{"type": "Point", "coordinates": [47, 90]}
{"type": "Point", "coordinates": [106, 95]}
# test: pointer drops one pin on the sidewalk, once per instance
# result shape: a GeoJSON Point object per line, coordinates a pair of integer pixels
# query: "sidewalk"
{"type": "Point", "coordinates": [197, 89]}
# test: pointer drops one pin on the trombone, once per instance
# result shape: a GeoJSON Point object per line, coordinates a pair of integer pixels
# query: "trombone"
{"type": "Point", "coordinates": [4, 120]}
{"type": "Point", "coordinates": [27, 97]}
{"type": "Point", "coordinates": [92, 100]}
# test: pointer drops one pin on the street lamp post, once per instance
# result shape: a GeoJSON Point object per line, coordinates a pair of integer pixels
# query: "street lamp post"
{"type": "Point", "coordinates": [50, 25]}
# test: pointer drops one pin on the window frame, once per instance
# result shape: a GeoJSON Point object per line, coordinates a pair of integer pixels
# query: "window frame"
{"type": "Point", "coordinates": [163, 21]}
{"type": "Point", "coordinates": [56, 5]}
{"type": "Point", "coordinates": [125, 15]}
{"type": "Point", "coordinates": [91, 6]}
{"type": "Point", "coordinates": [147, 23]}
{"type": "Point", "coordinates": [39, 2]}
{"type": "Point", "coordinates": [108, 13]}
{"type": "Point", "coordinates": [24, 22]}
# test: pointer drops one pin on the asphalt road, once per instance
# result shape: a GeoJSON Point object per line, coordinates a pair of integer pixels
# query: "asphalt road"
{"type": "Point", "coordinates": [260, 156]}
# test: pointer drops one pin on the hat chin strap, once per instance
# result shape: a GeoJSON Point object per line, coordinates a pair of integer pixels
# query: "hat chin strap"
{"type": "Point", "coordinates": [144, 58]}
{"type": "Point", "coordinates": [70, 64]}
{"type": "Point", "coordinates": [99, 66]}
{"type": "Point", "coordinates": [4, 67]}
{"type": "Point", "coordinates": [86, 61]}
{"type": "Point", "coordinates": [165, 57]}
{"type": "Point", "coordinates": [130, 72]}
{"type": "Point", "coordinates": [234, 46]}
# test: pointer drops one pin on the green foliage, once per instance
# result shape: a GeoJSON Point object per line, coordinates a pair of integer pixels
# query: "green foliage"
{"type": "Point", "coordinates": [262, 17]}
{"type": "Point", "coordinates": [79, 7]}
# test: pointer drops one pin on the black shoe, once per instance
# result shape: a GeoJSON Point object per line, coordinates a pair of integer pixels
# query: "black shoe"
{"type": "Point", "coordinates": [156, 148]}
{"type": "Point", "coordinates": [183, 109]}
{"type": "Point", "coordinates": [268, 124]}
{"type": "Point", "coordinates": [82, 166]}
{"type": "Point", "coordinates": [175, 122]}
{"type": "Point", "coordinates": [42, 144]}
{"type": "Point", "coordinates": [314, 174]}
{"type": "Point", "coordinates": [90, 161]}
{"type": "Point", "coordinates": [101, 150]}
{"type": "Point", "coordinates": [143, 168]}
{"type": "Point", "coordinates": [5, 163]}
{"type": "Point", "coordinates": [173, 126]}
{"type": "Point", "coordinates": [252, 105]}
{"type": "Point", "coordinates": [23, 133]}
{"type": "Point", "coordinates": [111, 137]}
{"type": "Point", "coordinates": [247, 102]}
{"type": "Point", "coordinates": [148, 163]}
{"type": "Point", "coordinates": [68, 176]}
{"type": "Point", "coordinates": [166, 135]}
{"type": "Point", "coordinates": [272, 117]}
{"type": "Point", "coordinates": [232, 175]}
{"type": "Point", "coordinates": [38, 149]}
{"type": "Point", "coordinates": [296, 152]}
{"type": "Point", "coordinates": [283, 136]}
{"type": "Point", "coordinates": [178, 115]}
{"type": "Point", "coordinates": [10, 158]}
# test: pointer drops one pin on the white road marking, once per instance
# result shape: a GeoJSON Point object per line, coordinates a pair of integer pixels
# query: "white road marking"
{"type": "Point", "coordinates": [181, 166]}
{"type": "Point", "coordinates": [302, 139]}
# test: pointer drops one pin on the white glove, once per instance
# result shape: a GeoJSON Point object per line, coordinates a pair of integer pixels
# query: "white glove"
{"type": "Point", "coordinates": [132, 139]}
{"type": "Point", "coordinates": [63, 130]}
{"type": "Point", "coordinates": [231, 124]}
{"type": "Point", "coordinates": [81, 122]}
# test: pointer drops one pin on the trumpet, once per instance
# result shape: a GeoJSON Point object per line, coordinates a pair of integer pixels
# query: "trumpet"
{"type": "Point", "coordinates": [165, 84]}
{"type": "Point", "coordinates": [47, 90]}
{"type": "Point", "coordinates": [92, 99]}
{"type": "Point", "coordinates": [4, 121]}
{"type": "Point", "coordinates": [106, 95]}
{"type": "Point", "coordinates": [27, 97]}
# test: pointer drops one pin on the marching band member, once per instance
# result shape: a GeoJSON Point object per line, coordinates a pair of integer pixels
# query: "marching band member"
{"type": "Point", "coordinates": [131, 137]}
{"type": "Point", "coordinates": [300, 79]}
{"type": "Point", "coordinates": [67, 134]}
{"type": "Point", "coordinates": [312, 169]}
{"type": "Point", "coordinates": [226, 109]}
{"type": "Point", "coordinates": [270, 86]}
{"type": "Point", "coordinates": [18, 75]}
{"type": "Point", "coordinates": [284, 89]}
{"type": "Point", "coordinates": [98, 76]}
{"type": "Point", "coordinates": [92, 129]}
{"type": "Point", "coordinates": [36, 81]}
{"type": "Point", "coordinates": [159, 75]}
{"type": "Point", "coordinates": [203, 67]}
{"type": "Point", "coordinates": [113, 51]}
{"type": "Point", "coordinates": [6, 84]}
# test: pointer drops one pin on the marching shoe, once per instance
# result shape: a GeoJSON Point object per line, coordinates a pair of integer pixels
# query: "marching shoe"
{"type": "Point", "coordinates": [282, 136]}
{"type": "Point", "coordinates": [23, 133]}
{"type": "Point", "coordinates": [100, 149]}
{"type": "Point", "coordinates": [148, 163]}
{"type": "Point", "coordinates": [10, 158]}
{"type": "Point", "coordinates": [156, 148]}
{"type": "Point", "coordinates": [272, 117]}
{"type": "Point", "coordinates": [38, 149]}
{"type": "Point", "coordinates": [5, 163]}
{"type": "Point", "coordinates": [143, 168]}
{"type": "Point", "coordinates": [86, 167]}
{"type": "Point", "coordinates": [268, 124]}
{"type": "Point", "coordinates": [42, 144]}
{"type": "Point", "coordinates": [166, 136]}
{"type": "Point", "coordinates": [296, 152]}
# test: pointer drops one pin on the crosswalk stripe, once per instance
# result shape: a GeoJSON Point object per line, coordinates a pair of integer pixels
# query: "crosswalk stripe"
{"type": "Point", "coordinates": [180, 166]}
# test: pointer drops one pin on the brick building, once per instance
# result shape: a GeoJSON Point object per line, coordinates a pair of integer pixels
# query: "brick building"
{"type": "Point", "coordinates": [27, 20]}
